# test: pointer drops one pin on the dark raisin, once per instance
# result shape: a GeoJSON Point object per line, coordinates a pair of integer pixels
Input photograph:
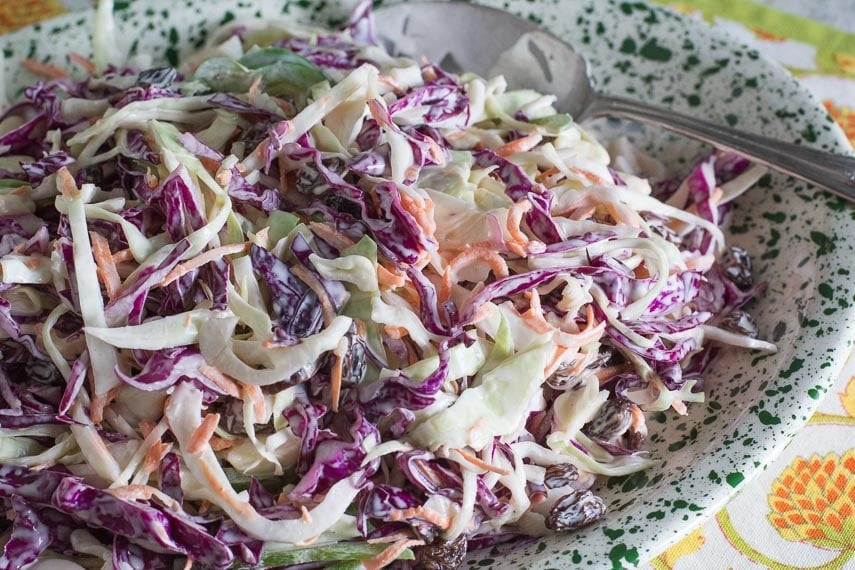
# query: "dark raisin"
{"type": "Point", "coordinates": [560, 475]}
{"type": "Point", "coordinates": [354, 363]}
{"type": "Point", "coordinates": [575, 510]}
{"type": "Point", "coordinates": [737, 267]}
{"type": "Point", "coordinates": [161, 77]}
{"type": "Point", "coordinates": [614, 419]}
{"type": "Point", "coordinates": [446, 555]}
{"type": "Point", "coordinates": [42, 371]}
{"type": "Point", "coordinates": [740, 322]}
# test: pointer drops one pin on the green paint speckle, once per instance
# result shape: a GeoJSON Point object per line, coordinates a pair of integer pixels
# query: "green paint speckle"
{"type": "Point", "coordinates": [621, 553]}
{"type": "Point", "coordinates": [825, 290]}
{"type": "Point", "coordinates": [796, 365]}
{"type": "Point", "coordinates": [768, 419]}
{"type": "Point", "coordinates": [825, 243]}
{"type": "Point", "coordinates": [628, 46]}
{"type": "Point", "coordinates": [652, 50]}
{"type": "Point", "coordinates": [735, 478]}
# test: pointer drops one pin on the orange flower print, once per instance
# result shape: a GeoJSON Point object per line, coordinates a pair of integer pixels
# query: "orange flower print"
{"type": "Point", "coordinates": [845, 118]}
{"type": "Point", "coordinates": [688, 545]}
{"type": "Point", "coordinates": [845, 61]}
{"type": "Point", "coordinates": [847, 397]}
{"type": "Point", "coordinates": [768, 36]}
{"type": "Point", "coordinates": [17, 13]}
{"type": "Point", "coordinates": [813, 501]}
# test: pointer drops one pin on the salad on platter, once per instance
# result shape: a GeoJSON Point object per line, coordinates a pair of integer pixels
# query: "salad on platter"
{"type": "Point", "coordinates": [299, 302]}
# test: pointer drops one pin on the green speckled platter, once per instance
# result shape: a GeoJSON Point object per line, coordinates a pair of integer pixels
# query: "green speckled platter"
{"type": "Point", "coordinates": [802, 242]}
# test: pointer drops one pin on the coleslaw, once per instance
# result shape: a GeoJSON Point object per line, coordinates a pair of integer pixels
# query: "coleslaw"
{"type": "Point", "coordinates": [298, 302]}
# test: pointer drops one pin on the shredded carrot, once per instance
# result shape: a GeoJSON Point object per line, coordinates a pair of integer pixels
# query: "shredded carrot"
{"type": "Point", "coordinates": [700, 262]}
{"type": "Point", "coordinates": [146, 426]}
{"type": "Point", "coordinates": [559, 354]}
{"type": "Point", "coordinates": [122, 255]}
{"type": "Point", "coordinates": [394, 332]}
{"type": "Point", "coordinates": [226, 383]}
{"type": "Point", "coordinates": [522, 144]}
{"type": "Point", "coordinates": [218, 443]}
{"type": "Point", "coordinates": [466, 258]}
{"type": "Point", "coordinates": [317, 287]}
{"type": "Point", "coordinates": [223, 177]}
{"type": "Point", "coordinates": [155, 455]}
{"type": "Point", "coordinates": [551, 171]}
{"type": "Point", "coordinates": [435, 151]}
{"type": "Point", "coordinates": [583, 213]}
{"type": "Point", "coordinates": [641, 272]}
{"type": "Point", "coordinates": [478, 462]}
{"type": "Point", "coordinates": [515, 215]}
{"type": "Point", "coordinates": [203, 258]}
{"type": "Point", "coordinates": [395, 536]}
{"type": "Point", "coordinates": [422, 211]}
{"type": "Point", "coordinates": [256, 396]}
{"type": "Point", "coordinates": [106, 271]}
{"type": "Point", "coordinates": [133, 492]}
{"type": "Point", "coordinates": [606, 374]}
{"type": "Point", "coordinates": [390, 81]}
{"type": "Point", "coordinates": [200, 438]}
{"type": "Point", "coordinates": [66, 184]}
{"type": "Point", "coordinates": [424, 513]}
{"type": "Point", "coordinates": [99, 402]}
{"type": "Point", "coordinates": [335, 381]}
{"type": "Point", "coordinates": [588, 175]}
{"type": "Point", "coordinates": [188, 564]}
{"type": "Point", "coordinates": [409, 294]}
{"type": "Point", "coordinates": [391, 279]}
{"type": "Point", "coordinates": [151, 179]}
{"type": "Point", "coordinates": [390, 554]}
{"type": "Point", "coordinates": [305, 515]}
{"type": "Point", "coordinates": [331, 236]}
{"type": "Point", "coordinates": [534, 316]}
{"type": "Point", "coordinates": [44, 69]}
{"type": "Point", "coordinates": [83, 62]}
{"type": "Point", "coordinates": [254, 89]}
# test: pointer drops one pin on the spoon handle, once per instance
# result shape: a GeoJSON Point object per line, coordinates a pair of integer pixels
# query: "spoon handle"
{"type": "Point", "coordinates": [832, 172]}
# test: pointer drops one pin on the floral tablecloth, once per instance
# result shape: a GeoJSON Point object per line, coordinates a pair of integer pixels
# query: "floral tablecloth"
{"type": "Point", "coordinates": [800, 512]}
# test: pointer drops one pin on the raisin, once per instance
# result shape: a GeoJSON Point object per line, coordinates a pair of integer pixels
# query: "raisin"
{"type": "Point", "coordinates": [446, 555]}
{"type": "Point", "coordinates": [161, 77]}
{"type": "Point", "coordinates": [737, 267]}
{"type": "Point", "coordinates": [740, 322]}
{"type": "Point", "coordinates": [575, 510]}
{"type": "Point", "coordinates": [560, 475]}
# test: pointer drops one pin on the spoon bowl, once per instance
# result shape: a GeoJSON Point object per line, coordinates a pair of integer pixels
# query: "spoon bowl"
{"type": "Point", "coordinates": [490, 42]}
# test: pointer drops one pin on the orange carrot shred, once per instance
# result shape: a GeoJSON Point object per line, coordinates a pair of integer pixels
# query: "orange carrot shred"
{"type": "Point", "coordinates": [478, 462]}
{"type": "Point", "coordinates": [106, 266]}
{"type": "Point", "coordinates": [47, 70]}
{"type": "Point", "coordinates": [203, 433]}
{"type": "Point", "coordinates": [203, 258]}
{"type": "Point", "coordinates": [226, 383]}
{"type": "Point", "coordinates": [390, 554]}
{"type": "Point", "coordinates": [317, 287]}
{"type": "Point", "coordinates": [83, 62]}
{"type": "Point", "coordinates": [335, 381]}
{"type": "Point", "coordinates": [521, 144]}
{"type": "Point", "coordinates": [254, 393]}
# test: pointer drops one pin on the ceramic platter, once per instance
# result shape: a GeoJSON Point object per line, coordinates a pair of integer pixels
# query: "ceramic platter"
{"type": "Point", "coordinates": [801, 241]}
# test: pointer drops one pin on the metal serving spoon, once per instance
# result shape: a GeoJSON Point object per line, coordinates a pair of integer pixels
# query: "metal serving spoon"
{"type": "Point", "coordinates": [488, 41]}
